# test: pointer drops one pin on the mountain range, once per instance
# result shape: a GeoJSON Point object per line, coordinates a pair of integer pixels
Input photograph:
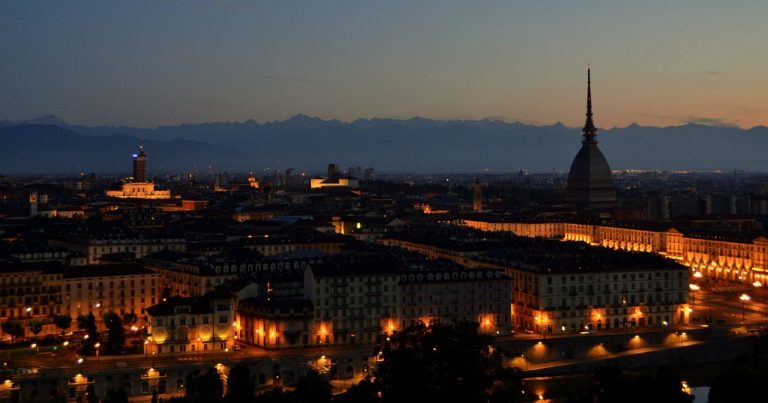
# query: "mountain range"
{"type": "Point", "coordinates": [50, 145]}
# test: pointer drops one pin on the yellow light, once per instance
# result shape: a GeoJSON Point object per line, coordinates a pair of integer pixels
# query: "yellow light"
{"type": "Point", "coordinates": [744, 297]}
{"type": "Point", "coordinates": [358, 225]}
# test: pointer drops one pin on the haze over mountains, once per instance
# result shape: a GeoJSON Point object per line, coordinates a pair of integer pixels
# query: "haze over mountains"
{"type": "Point", "coordinates": [50, 145]}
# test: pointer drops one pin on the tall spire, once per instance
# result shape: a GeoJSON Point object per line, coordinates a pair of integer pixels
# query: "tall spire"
{"type": "Point", "coordinates": [589, 130]}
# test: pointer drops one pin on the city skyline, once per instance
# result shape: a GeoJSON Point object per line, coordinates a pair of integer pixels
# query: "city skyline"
{"type": "Point", "coordinates": [143, 65]}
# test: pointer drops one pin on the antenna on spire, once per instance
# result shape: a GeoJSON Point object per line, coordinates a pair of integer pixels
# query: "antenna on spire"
{"type": "Point", "coordinates": [141, 144]}
{"type": "Point", "coordinates": [589, 130]}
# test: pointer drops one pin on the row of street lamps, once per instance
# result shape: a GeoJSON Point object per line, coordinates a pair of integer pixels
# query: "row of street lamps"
{"type": "Point", "coordinates": [744, 298]}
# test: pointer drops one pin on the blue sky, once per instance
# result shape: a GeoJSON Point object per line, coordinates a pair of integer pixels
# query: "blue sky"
{"type": "Point", "coordinates": [149, 63]}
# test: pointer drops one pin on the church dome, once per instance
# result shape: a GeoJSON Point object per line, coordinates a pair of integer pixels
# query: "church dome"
{"type": "Point", "coordinates": [590, 183]}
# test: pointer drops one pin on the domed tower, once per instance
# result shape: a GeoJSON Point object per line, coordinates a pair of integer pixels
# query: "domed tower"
{"type": "Point", "coordinates": [590, 183]}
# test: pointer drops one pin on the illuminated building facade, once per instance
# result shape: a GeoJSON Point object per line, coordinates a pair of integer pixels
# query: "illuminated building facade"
{"type": "Point", "coordinates": [322, 182]}
{"type": "Point", "coordinates": [275, 322]}
{"type": "Point", "coordinates": [348, 302]}
{"type": "Point", "coordinates": [139, 187]}
{"type": "Point", "coordinates": [30, 291]}
{"type": "Point", "coordinates": [118, 288]}
{"type": "Point", "coordinates": [192, 324]}
{"type": "Point", "coordinates": [478, 295]}
{"type": "Point", "coordinates": [547, 290]}
{"type": "Point", "coordinates": [717, 255]}
{"type": "Point", "coordinates": [353, 300]}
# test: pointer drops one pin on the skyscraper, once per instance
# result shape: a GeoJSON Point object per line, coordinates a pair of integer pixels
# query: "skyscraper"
{"type": "Point", "coordinates": [590, 183]}
{"type": "Point", "coordinates": [477, 196]}
{"type": "Point", "coordinates": [140, 165]}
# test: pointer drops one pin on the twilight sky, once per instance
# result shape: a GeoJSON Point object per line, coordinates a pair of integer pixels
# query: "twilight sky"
{"type": "Point", "coordinates": [149, 63]}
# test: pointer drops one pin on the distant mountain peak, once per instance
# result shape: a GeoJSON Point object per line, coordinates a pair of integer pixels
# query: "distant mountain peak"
{"type": "Point", "coordinates": [47, 120]}
{"type": "Point", "coordinates": [300, 117]}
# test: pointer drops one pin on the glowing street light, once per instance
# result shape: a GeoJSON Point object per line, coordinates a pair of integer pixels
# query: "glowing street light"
{"type": "Point", "coordinates": [744, 299]}
{"type": "Point", "coordinates": [694, 288]}
{"type": "Point", "coordinates": [97, 345]}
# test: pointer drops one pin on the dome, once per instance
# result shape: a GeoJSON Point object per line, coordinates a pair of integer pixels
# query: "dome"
{"type": "Point", "coordinates": [590, 183]}
{"type": "Point", "coordinates": [589, 179]}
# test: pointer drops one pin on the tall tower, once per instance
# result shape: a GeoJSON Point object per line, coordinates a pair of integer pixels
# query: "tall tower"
{"type": "Point", "coordinates": [140, 165]}
{"type": "Point", "coordinates": [477, 196]}
{"type": "Point", "coordinates": [590, 183]}
{"type": "Point", "coordinates": [33, 204]}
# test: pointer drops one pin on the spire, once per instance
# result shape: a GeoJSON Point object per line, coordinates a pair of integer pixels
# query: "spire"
{"type": "Point", "coordinates": [141, 144]}
{"type": "Point", "coordinates": [589, 130]}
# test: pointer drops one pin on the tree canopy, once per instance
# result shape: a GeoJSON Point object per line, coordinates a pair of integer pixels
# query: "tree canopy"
{"type": "Point", "coordinates": [442, 363]}
{"type": "Point", "coordinates": [115, 332]}
{"type": "Point", "coordinates": [14, 328]}
{"type": "Point", "coordinates": [62, 322]}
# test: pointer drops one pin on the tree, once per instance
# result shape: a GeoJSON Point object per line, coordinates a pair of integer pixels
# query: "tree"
{"type": "Point", "coordinates": [507, 386]}
{"type": "Point", "coordinates": [277, 395]}
{"type": "Point", "coordinates": [129, 319]}
{"type": "Point", "coordinates": [88, 323]}
{"type": "Point", "coordinates": [438, 363]}
{"type": "Point", "coordinates": [13, 328]}
{"type": "Point", "coordinates": [313, 388]}
{"type": "Point", "coordinates": [366, 391]}
{"type": "Point", "coordinates": [90, 326]}
{"type": "Point", "coordinates": [55, 397]}
{"type": "Point", "coordinates": [35, 326]}
{"type": "Point", "coordinates": [611, 385]}
{"type": "Point", "coordinates": [90, 395]}
{"type": "Point", "coordinates": [82, 322]}
{"type": "Point", "coordinates": [118, 395]}
{"type": "Point", "coordinates": [741, 383]}
{"type": "Point", "coordinates": [115, 332]}
{"type": "Point", "coordinates": [205, 388]}
{"type": "Point", "coordinates": [240, 386]}
{"type": "Point", "coordinates": [62, 322]}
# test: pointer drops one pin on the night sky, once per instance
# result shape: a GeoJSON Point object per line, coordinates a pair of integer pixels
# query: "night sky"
{"type": "Point", "coordinates": [149, 63]}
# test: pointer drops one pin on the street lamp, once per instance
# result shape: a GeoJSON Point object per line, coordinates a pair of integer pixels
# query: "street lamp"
{"type": "Point", "coordinates": [97, 345]}
{"type": "Point", "coordinates": [744, 299]}
{"type": "Point", "coordinates": [694, 288]}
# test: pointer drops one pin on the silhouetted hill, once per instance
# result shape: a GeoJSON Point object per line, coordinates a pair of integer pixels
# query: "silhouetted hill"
{"type": "Point", "coordinates": [426, 145]}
